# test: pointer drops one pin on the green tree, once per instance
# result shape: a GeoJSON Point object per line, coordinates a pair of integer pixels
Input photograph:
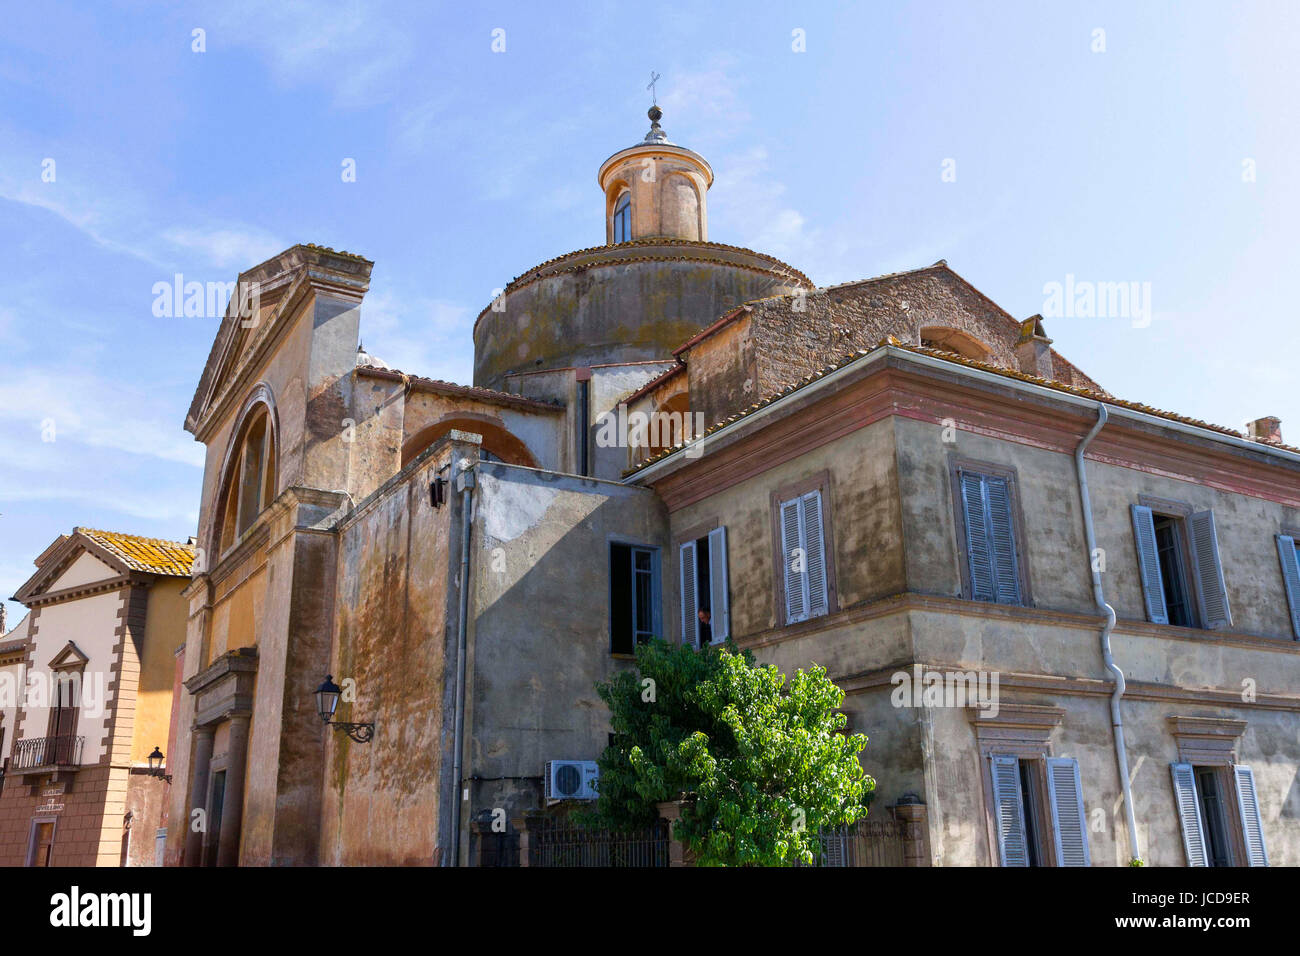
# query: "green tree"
{"type": "Point", "coordinates": [761, 762]}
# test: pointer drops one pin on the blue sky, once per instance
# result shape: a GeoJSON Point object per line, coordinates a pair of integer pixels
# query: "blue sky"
{"type": "Point", "coordinates": [471, 166]}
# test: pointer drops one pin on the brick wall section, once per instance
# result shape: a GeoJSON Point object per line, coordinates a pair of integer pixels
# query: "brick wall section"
{"type": "Point", "coordinates": [789, 344]}
{"type": "Point", "coordinates": [82, 836]}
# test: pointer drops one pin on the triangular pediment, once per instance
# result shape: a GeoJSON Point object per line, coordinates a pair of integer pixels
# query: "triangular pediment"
{"type": "Point", "coordinates": [69, 657]}
{"type": "Point", "coordinates": [74, 561]}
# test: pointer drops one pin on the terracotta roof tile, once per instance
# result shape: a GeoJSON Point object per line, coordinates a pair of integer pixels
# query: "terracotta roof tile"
{"type": "Point", "coordinates": [892, 342]}
{"type": "Point", "coordinates": [151, 555]}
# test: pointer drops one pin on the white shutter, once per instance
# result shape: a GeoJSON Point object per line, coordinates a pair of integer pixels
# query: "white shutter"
{"type": "Point", "coordinates": [796, 582]}
{"type": "Point", "coordinates": [1069, 824]}
{"type": "Point", "coordinates": [1009, 812]}
{"type": "Point", "coordinates": [1189, 813]}
{"type": "Point", "coordinates": [719, 595]}
{"type": "Point", "coordinates": [1153, 588]}
{"type": "Point", "coordinates": [690, 619]}
{"type": "Point", "coordinates": [1002, 540]}
{"type": "Point", "coordinates": [1290, 578]}
{"type": "Point", "coordinates": [1211, 592]}
{"type": "Point", "coordinates": [815, 546]}
{"type": "Point", "coordinates": [1251, 827]}
{"type": "Point", "coordinates": [979, 559]}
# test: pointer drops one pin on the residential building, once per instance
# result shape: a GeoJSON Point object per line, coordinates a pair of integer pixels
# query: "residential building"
{"type": "Point", "coordinates": [87, 680]}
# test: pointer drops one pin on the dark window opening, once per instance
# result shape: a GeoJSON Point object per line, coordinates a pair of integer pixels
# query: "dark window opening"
{"type": "Point", "coordinates": [1033, 813]}
{"type": "Point", "coordinates": [703, 592]}
{"type": "Point", "coordinates": [1173, 571]}
{"type": "Point", "coordinates": [633, 598]}
{"type": "Point", "coordinates": [1215, 820]}
{"type": "Point", "coordinates": [623, 218]}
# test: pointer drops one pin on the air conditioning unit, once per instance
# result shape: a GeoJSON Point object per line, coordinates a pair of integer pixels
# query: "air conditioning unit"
{"type": "Point", "coordinates": [571, 780]}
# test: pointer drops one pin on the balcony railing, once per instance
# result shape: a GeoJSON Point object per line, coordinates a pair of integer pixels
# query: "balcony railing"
{"type": "Point", "coordinates": [46, 752]}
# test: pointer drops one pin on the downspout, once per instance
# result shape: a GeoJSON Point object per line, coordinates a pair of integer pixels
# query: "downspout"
{"type": "Point", "coordinates": [1099, 595]}
{"type": "Point", "coordinates": [466, 481]}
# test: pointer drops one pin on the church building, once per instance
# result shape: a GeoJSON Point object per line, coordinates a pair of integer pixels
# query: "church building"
{"type": "Point", "coordinates": [671, 436]}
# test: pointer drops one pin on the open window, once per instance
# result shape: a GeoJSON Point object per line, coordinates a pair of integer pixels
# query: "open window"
{"type": "Point", "coordinates": [1038, 811]}
{"type": "Point", "coordinates": [1218, 811]}
{"type": "Point", "coordinates": [251, 479]}
{"type": "Point", "coordinates": [705, 604]}
{"type": "Point", "coordinates": [1182, 575]}
{"type": "Point", "coordinates": [633, 596]}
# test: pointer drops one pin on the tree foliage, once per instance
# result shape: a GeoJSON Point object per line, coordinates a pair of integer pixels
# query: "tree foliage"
{"type": "Point", "coordinates": [761, 762]}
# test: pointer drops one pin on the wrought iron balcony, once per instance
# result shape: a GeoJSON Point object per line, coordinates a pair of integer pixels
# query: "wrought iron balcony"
{"type": "Point", "coordinates": [39, 752]}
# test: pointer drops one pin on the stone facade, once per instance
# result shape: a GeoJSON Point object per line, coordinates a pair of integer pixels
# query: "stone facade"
{"type": "Point", "coordinates": [450, 554]}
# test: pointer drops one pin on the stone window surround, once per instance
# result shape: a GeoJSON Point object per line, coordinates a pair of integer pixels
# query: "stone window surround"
{"type": "Point", "coordinates": [1023, 731]}
{"type": "Point", "coordinates": [821, 481]}
{"type": "Point", "coordinates": [1212, 742]}
{"type": "Point", "coordinates": [993, 470]}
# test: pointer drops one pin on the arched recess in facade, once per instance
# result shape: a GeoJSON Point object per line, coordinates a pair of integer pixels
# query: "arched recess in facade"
{"type": "Point", "coordinates": [258, 419]}
{"type": "Point", "coordinates": [497, 440]}
{"type": "Point", "coordinates": [670, 422]}
{"type": "Point", "coordinates": [947, 339]}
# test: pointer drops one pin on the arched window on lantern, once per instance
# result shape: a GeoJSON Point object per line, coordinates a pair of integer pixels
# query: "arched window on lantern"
{"type": "Point", "coordinates": [623, 218]}
{"type": "Point", "coordinates": [250, 479]}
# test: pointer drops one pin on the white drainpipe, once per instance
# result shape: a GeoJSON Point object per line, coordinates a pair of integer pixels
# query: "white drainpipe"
{"type": "Point", "coordinates": [1116, 721]}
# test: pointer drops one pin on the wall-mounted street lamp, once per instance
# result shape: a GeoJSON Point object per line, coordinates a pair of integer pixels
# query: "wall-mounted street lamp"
{"type": "Point", "coordinates": [327, 699]}
{"type": "Point", "coordinates": [156, 764]}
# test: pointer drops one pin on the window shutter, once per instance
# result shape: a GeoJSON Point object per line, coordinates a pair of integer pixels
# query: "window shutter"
{"type": "Point", "coordinates": [1251, 827]}
{"type": "Point", "coordinates": [1153, 588]}
{"type": "Point", "coordinates": [1211, 593]}
{"type": "Point", "coordinates": [1010, 812]}
{"type": "Point", "coordinates": [978, 556]}
{"type": "Point", "coordinates": [1290, 578]}
{"type": "Point", "coordinates": [796, 605]}
{"type": "Point", "coordinates": [690, 620]}
{"type": "Point", "coordinates": [1002, 538]}
{"type": "Point", "coordinates": [815, 547]}
{"type": "Point", "coordinates": [1189, 813]}
{"type": "Point", "coordinates": [1069, 824]}
{"type": "Point", "coordinates": [719, 596]}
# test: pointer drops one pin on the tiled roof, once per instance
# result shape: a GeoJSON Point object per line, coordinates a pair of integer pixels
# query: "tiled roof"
{"type": "Point", "coordinates": [956, 360]}
{"type": "Point", "coordinates": [151, 555]}
{"type": "Point", "coordinates": [441, 387]}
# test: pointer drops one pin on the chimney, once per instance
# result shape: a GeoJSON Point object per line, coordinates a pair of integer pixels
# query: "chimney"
{"type": "Point", "coordinates": [1267, 429]}
{"type": "Point", "coordinates": [1034, 349]}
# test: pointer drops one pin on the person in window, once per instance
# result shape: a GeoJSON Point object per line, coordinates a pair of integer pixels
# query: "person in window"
{"type": "Point", "coordinates": [706, 628]}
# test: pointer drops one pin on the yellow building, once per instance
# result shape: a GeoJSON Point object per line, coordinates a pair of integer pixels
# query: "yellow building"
{"type": "Point", "coordinates": [92, 670]}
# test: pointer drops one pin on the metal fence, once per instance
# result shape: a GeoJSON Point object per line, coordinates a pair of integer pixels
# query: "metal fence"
{"type": "Point", "coordinates": [873, 842]}
{"type": "Point", "coordinates": [560, 843]}
{"type": "Point", "coordinates": [46, 752]}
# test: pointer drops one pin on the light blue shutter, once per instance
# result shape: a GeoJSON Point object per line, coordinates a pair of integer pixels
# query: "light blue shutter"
{"type": "Point", "coordinates": [1002, 540]}
{"type": "Point", "coordinates": [1069, 825]}
{"type": "Point", "coordinates": [1290, 578]}
{"type": "Point", "coordinates": [719, 594]}
{"type": "Point", "coordinates": [1212, 594]}
{"type": "Point", "coordinates": [978, 556]}
{"type": "Point", "coordinates": [1009, 812]}
{"type": "Point", "coordinates": [1189, 813]}
{"type": "Point", "coordinates": [796, 582]}
{"type": "Point", "coordinates": [1251, 827]}
{"type": "Point", "coordinates": [815, 547]}
{"type": "Point", "coordinates": [1153, 587]}
{"type": "Point", "coordinates": [690, 620]}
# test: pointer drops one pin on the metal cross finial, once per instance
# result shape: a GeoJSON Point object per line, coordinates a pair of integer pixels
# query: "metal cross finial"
{"type": "Point", "coordinates": [654, 78]}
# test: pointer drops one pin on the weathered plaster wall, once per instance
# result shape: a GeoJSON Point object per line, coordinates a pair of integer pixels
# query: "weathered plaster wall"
{"type": "Point", "coordinates": [541, 633]}
{"type": "Point", "coordinates": [382, 801]}
{"type": "Point", "coordinates": [627, 303]}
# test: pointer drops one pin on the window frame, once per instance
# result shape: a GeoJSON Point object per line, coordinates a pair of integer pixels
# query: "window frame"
{"type": "Point", "coordinates": [656, 587]}
{"type": "Point", "coordinates": [958, 464]}
{"type": "Point", "coordinates": [818, 482]}
{"type": "Point", "coordinates": [623, 201]}
{"type": "Point", "coordinates": [259, 408]}
{"type": "Point", "coordinates": [695, 534]}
